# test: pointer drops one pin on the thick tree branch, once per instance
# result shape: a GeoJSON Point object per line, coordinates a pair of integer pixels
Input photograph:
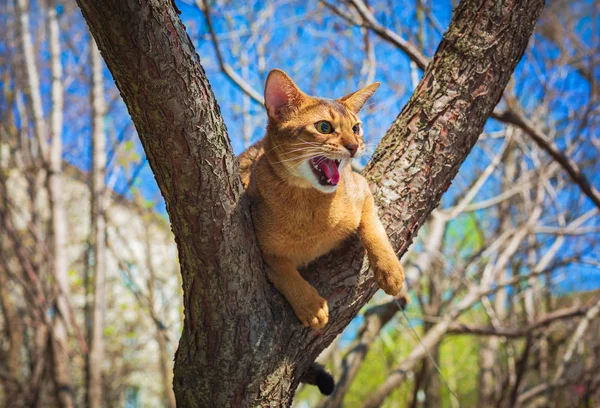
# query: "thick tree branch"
{"type": "Point", "coordinates": [241, 344]}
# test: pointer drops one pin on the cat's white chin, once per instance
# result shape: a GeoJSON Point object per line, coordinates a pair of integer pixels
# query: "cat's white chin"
{"type": "Point", "coordinates": [325, 189]}
{"type": "Point", "coordinates": [305, 171]}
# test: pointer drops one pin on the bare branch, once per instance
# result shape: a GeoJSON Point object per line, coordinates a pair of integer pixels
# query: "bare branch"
{"type": "Point", "coordinates": [515, 118]}
{"type": "Point", "coordinates": [542, 322]}
{"type": "Point", "coordinates": [226, 68]}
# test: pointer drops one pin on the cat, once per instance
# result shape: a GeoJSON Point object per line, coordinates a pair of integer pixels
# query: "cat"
{"type": "Point", "coordinates": [306, 200]}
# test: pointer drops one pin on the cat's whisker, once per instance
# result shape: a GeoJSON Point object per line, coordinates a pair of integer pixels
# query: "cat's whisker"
{"type": "Point", "coordinates": [300, 150]}
{"type": "Point", "coordinates": [273, 148]}
{"type": "Point", "coordinates": [304, 156]}
{"type": "Point", "coordinates": [299, 146]}
{"type": "Point", "coordinates": [311, 143]}
{"type": "Point", "coordinates": [303, 143]}
{"type": "Point", "coordinates": [292, 144]}
{"type": "Point", "coordinates": [321, 160]}
{"type": "Point", "coordinates": [307, 142]}
{"type": "Point", "coordinates": [296, 148]}
{"type": "Point", "coordinates": [297, 165]}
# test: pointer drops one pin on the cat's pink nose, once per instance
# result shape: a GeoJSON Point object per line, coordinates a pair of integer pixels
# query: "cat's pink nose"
{"type": "Point", "coordinates": [352, 147]}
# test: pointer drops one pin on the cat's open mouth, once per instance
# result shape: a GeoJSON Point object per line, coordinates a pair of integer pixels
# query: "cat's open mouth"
{"type": "Point", "coordinates": [326, 170]}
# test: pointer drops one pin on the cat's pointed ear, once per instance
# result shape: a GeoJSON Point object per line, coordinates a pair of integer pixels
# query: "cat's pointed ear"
{"type": "Point", "coordinates": [282, 96]}
{"type": "Point", "coordinates": [356, 100]}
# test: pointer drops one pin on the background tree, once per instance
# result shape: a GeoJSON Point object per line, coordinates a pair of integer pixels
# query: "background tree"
{"type": "Point", "coordinates": [44, 144]}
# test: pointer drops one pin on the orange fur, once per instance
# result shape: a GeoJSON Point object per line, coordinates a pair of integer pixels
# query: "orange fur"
{"type": "Point", "coordinates": [296, 218]}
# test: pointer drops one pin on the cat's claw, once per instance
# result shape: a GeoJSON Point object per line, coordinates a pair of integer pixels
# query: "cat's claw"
{"type": "Point", "coordinates": [313, 313]}
{"type": "Point", "coordinates": [390, 277]}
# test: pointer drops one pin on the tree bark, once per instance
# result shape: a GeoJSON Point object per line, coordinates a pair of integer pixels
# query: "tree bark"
{"type": "Point", "coordinates": [95, 355]}
{"type": "Point", "coordinates": [241, 343]}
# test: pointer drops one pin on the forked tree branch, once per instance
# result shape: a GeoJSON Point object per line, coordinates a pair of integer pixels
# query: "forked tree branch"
{"type": "Point", "coordinates": [241, 344]}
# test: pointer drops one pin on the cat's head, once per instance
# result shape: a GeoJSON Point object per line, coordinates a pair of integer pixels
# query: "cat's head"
{"type": "Point", "coordinates": [312, 139]}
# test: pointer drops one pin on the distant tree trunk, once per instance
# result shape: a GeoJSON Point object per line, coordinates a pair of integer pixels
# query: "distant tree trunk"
{"type": "Point", "coordinates": [161, 331]}
{"type": "Point", "coordinates": [12, 323]}
{"type": "Point", "coordinates": [427, 382]}
{"type": "Point", "coordinates": [95, 356]}
{"type": "Point", "coordinates": [165, 368]}
{"type": "Point", "coordinates": [51, 155]}
{"type": "Point", "coordinates": [241, 344]}
{"type": "Point", "coordinates": [32, 88]}
{"type": "Point", "coordinates": [61, 360]}
{"type": "Point", "coordinates": [487, 372]}
{"type": "Point", "coordinates": [491, 378]}
{"type": "Point", "coordinates": [13, 326]}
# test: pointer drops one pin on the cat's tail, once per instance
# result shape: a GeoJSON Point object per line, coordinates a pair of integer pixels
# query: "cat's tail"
{"type": "Point", "coordinates": [318, 375]}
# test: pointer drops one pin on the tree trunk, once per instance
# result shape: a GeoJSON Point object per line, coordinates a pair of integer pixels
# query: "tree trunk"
{"type": "Point", "coordinates": [52, 157]}
{"type": "Point", "coordinates": [161, 331]}
{"type": "Point", "coordinates": [490, 377]}
{"type": "Point", "coordinates": [13, 326]}
{"type": "Point", "coordinates": [32, 88]}
{"type": "Point", "coordinates": [95, 356]}
{"type": "Point", "coordinates": [241, 343]}
{"type": "Point", "coordinates": [61, 360]}
{"type": "Point", "coordinates": [165, 368]}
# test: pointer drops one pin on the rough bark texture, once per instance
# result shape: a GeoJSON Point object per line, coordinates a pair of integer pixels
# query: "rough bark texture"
{"type": "Point", "coordinates": [241, 343]}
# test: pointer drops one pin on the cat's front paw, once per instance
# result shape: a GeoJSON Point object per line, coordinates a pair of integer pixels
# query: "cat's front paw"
{"type": "Point", "coordinates": [389, 276]}
{"type": "Point", "coordinates": [311, 309]}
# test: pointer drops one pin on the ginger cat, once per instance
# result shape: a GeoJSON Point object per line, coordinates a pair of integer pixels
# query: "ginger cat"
{"type": "Point", "coordinates": [305, 197]}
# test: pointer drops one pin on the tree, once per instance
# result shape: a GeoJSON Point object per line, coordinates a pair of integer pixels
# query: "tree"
{"type": "Point", "coordinates": [51, 158]}
{"type": "Point", "coordinates": [241, 344]}
{"type": "Point", "coordinates": [98, 234]}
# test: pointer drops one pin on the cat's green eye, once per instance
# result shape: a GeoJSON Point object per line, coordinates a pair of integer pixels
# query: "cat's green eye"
{"type": "Point", "coordinates": [356, 128]}
{"type": "Point", "coordinates": [324, 127]}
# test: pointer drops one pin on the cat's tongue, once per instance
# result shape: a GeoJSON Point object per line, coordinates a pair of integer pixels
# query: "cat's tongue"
{"type": "Point", "coordinates": [330, 170]}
